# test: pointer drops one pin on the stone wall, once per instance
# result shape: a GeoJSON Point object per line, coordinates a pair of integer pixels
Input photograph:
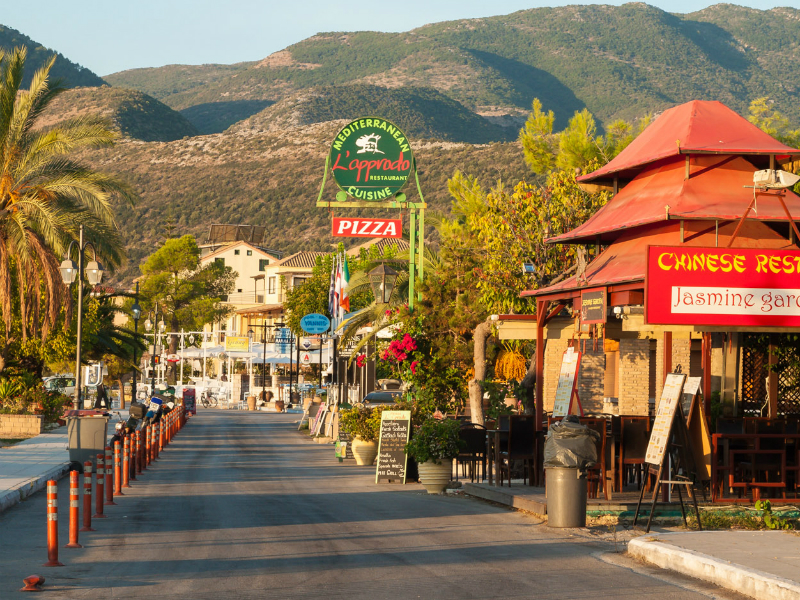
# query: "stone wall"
{"type": "Point", "coordinates": [634, 376]}
{"type": "Point", "coordinates": [20, 426]}
{"type": "Point", "coordinates": [681, 355]}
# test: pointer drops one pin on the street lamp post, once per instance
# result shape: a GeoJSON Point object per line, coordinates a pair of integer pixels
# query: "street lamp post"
{"type": "Point", "coordinates": [153, 317]}
{"type": "Point", "coordinates": [137, 312]}
{"type": "Point", "coordinates": [382, 280]}
{"type": "Point", "coordinates": [94, 274]}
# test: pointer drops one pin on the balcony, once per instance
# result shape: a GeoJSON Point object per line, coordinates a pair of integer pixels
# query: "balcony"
{"type": "Point", "coordinates": [246, 298]}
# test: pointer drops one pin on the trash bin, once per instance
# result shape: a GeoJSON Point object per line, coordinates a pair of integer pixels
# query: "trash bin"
{"type": "Point", "coordinates": [570, 449]}
{"type": "Point", "coordinates": [566, 497]}
{"type": "Point", "coordinates": [86, 438]}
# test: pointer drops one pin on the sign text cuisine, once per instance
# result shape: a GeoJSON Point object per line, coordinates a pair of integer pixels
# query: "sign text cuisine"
{"type": "Point", "coordinates": [371, 159]}
{"type": "Point", "coordinates": [722, 286]}
{"type": "Point", "coordinates": [392, 458]}
{"type": "Point", "coordinates": [593, 306]}
{"type": "Point", "coordinates": [370, 228]}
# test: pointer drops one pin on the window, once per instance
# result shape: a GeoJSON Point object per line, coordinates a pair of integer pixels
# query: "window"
{"type": "Point", "coordinates": [239, 291]}
{"type": "Point", "coordinates": [298, 281]}
{"type": "Point", "coordinates": [271, 289]}
{"type": "Point", "coordinates": [262, 264]}
{"type": "Point", "coordinates": [249, 253]}
{"type": "Point", "coordinates": [236, 252]}
{"type": "Point", "coordinates": [220, 260]}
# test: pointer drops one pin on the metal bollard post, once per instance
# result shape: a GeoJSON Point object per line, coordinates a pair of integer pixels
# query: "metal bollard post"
{"type": "Point", "coordinates": [52, 526]}
{"type": "Point", "coordinates": [109, 479]}
{"type": "Point", "coordinates": [74, 510]}
{"type": "Point", "coordinates": [117, 469]}
{"type": "Point", "coordinates": [126, 463]}
{"type": "Point", "coordinates": [87, 496]}
{"type": "Point", "coordinates": [98, 496]}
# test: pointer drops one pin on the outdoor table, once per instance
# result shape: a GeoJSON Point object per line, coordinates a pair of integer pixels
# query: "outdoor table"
{"type": "Point", "coordinates": [724, 470]}
{"type": "Point", "coordinates": [494, 441]}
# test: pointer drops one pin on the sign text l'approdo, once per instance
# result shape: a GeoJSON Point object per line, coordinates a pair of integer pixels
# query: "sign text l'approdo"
{"type": "Point", "coordinates": [371, 159]}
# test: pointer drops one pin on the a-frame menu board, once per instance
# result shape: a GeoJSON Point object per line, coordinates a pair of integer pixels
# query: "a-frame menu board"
{"type": "Point", "coordinates": [670, 440]}
{"type": "Point", "coordinates": [566, 392]}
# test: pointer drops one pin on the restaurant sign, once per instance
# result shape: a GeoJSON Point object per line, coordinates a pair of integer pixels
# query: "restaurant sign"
{"type": "Point", "coordinates": [371, 159]}
{"type": "Point", "coordinates": [237, 344]}
{"type": "Point", "coordinates": [722, 286]}
{"type": "Point", "coordinates": [593, 306]}
{"type": "Point", "coordinates": [371, 228]}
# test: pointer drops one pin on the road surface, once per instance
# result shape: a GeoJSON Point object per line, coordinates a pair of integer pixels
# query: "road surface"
{"type": "Point", "coordinates": [241, 505]}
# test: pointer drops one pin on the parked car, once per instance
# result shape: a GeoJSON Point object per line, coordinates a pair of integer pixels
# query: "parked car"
{"type": "Point", "coordinates": [60, 383]}
{"type": "Point", "coordinates": [381, 398]}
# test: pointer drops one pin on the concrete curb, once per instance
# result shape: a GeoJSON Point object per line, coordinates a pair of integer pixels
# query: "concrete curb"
{"type": "Point", "coordinates": [720, 572]}
{"type": "Point", "coordinates": [22, 491]}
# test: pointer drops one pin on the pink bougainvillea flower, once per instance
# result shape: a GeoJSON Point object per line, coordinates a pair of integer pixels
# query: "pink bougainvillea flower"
{"type": "Point", "coordinates": [414, 367]}
{"type": "Point", "coordinates": [360, 359]}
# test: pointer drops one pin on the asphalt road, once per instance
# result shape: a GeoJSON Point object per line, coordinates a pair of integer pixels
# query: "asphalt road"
{"type": "Point", "coordinates": [243, 506]}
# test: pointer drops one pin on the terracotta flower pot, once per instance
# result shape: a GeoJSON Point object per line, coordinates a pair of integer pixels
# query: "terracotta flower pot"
{"type": "Point", "coordinates": [435, 478]}
{"type": "Point", "coordinates": [364, 452]}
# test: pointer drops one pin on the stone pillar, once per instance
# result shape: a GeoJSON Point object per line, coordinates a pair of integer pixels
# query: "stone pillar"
{"type": "Point", "coordinates": [634, 376]}
{"type": "Point", "coordinates": [681, 355]}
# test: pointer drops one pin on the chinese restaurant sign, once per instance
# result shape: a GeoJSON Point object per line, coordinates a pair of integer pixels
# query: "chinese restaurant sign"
{"type": "Point", "coordinates": [372, 228]}
{"type": "Point", "coordinates": [722, 286]}
{"type": "Point", "coordinates": [371, 159]}
{"type": "Point", "coordinates": [593, 306]}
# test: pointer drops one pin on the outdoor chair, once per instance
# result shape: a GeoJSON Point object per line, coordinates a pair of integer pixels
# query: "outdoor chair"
{"type": "Point", "coordinates": [596, 475]}
{"type": "Point", "coordinates": [521, 446]}
{"type": "Point", "coordinates": [634, 435]}
{"type": "Point", "coordinates": [473, 451]}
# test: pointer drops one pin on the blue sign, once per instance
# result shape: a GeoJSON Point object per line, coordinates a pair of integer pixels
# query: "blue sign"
{"type": "Point", "coordinates": [315, 323]}
{"type": "Point", "coordinates": [283, 340]}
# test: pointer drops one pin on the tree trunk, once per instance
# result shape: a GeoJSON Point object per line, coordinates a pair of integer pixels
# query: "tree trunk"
{"type": "Point", "coordinates": [121, 385]}
{"type": "Point", "coordinates": [475, 385]}
{"type": "Point", "coordinates": [529, 383]}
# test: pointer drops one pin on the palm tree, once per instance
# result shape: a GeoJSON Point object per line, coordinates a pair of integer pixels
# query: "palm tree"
{"type": "Point", "coordinates": [45, 197]}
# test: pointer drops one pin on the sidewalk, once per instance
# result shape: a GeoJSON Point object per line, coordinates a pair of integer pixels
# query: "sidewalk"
{"type": "Point", "coordinates": [26, 466]}
{"type": "Point", "coordinates": [761, 564]}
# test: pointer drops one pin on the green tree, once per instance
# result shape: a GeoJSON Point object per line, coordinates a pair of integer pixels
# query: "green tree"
{"type": "Point", "coordinates": [769, 119]}
{"type": "Point", "coordinates": [44, 197]}
{"type": "Point", "coordinates": [189, 294]}
{"type": "Point", "coordinates": [578, 145]}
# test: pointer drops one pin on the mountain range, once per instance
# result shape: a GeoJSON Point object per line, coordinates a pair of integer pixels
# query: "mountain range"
{"type": "Point", "coordinates": [245, 143]}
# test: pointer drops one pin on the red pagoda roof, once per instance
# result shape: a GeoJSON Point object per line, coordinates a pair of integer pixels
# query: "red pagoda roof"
{"type": "Point", "coordinates": [625, 261]}
{"type": "Point", "coordinates": [697, 127]}
{"type": "Point", "coordinates": [715, 190]}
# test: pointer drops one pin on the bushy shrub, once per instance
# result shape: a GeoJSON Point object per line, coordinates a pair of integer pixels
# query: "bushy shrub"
{"type": "Point", "coordinates": [434, 441]}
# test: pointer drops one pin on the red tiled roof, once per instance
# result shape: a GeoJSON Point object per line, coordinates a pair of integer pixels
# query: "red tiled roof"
{"type": "Point", "coordinates": [696, 127]}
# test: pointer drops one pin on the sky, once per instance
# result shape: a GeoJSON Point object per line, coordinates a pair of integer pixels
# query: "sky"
{"type": "Point", "coordinates": [107, 36]}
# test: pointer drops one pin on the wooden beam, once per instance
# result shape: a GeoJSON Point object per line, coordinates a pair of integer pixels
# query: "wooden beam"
{"type": "Point", "coordinates": [626, 298]}
{"type": "Point", "coordinates": [706, 362]}
{"type": "Point", "coordinates": [773, 377]}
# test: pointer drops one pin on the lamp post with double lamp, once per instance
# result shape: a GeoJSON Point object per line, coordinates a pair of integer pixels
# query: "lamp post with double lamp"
{"type": "Point", "coordinates": [153, 317]}
{"type": "Point", "coordinates": [94, 274]}
{"type": "Point", "coordinates": [136, 310]}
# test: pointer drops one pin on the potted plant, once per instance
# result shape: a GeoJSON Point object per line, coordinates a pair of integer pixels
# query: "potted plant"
{"type": "Point", "coordinates": [434, 446]}
{"type": "Point", "coordinates": [359, 423]}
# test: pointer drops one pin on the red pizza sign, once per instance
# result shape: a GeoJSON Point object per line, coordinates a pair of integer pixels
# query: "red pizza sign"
{"type": "Point", "coordinates": [373, 228]}
{"type": "Point", "coordinates": [722, 286]}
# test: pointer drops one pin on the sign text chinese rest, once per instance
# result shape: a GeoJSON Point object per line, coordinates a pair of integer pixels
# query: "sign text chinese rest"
{"type": "Point", "coordinates": [722, 286]}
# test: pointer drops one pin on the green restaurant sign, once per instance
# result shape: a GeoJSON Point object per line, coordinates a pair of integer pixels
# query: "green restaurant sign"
{"type": "Point", "coordinates": [371, 159]}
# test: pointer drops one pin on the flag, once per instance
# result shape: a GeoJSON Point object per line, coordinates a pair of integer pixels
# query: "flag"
{"type": "Point", "coordinates": [337, 287]}
{"type": "Point", "coordinates": [344, 300]}
{"type": "Point", "coordinates": [331, 289]}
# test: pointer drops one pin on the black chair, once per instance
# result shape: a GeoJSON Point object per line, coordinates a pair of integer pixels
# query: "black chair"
{"type": "Point", "coordinates": [473, 450]}
{"type": "Point", "coordinates": [521, 446]}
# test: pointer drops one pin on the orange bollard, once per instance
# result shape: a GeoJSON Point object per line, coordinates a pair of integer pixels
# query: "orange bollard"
{"type": "Point", "coordinates": [132, 455]}
{"type": "Point", "coordinates": [74, 510]}
{"type": "Point", "coordinates": [154, 443]}
{"type": "Point", "coordinates": [148, 455]}
{"type": "Point", "coordinates": [117, 469]}
{"type": "Point", "coordinates": [87, 496]}
{"type": "Point", "coordinates": [52, 526]}
{"type": "Point", "coordinates": [140, 462]}
{"type": "Point", "coordinates": [33, 583]}
{"type": "Point", "coordinates": [160, 436]}
{"type": "Point", "coordinates": [126, 463]}
{"type": "Point", "coordinates": [109, 479]}
{"type": "Point", "coordinates": [98, 496]}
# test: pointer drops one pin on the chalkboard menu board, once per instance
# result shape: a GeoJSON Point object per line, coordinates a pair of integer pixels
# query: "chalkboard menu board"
{"type": "Point", "coordinates": [395, 430]}
{"type": "Point", "coordinates": [665, 414]}
{"type": "Point", "coordinates": [344, 448]}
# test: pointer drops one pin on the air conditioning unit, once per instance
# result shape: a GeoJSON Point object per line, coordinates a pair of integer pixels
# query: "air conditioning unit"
{"type": "Point", "coordinates": [774, 179]}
